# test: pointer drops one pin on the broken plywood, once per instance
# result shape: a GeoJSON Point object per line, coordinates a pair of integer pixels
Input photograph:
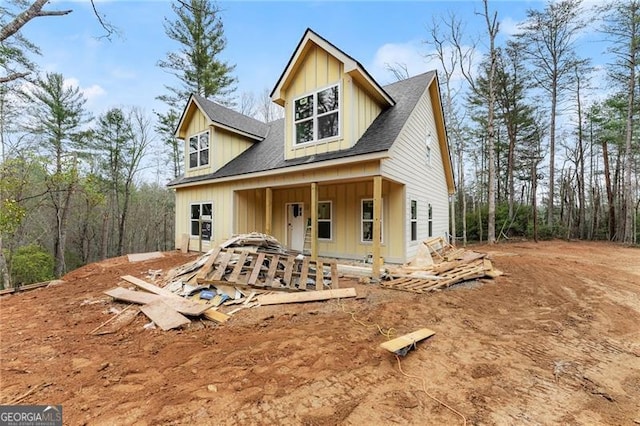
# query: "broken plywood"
{"type": "Point", "coordinates": [142, 298]}
{"type": "Point", "coordinates": [401, 345]}
{"type": "Point", "coordinates": [164, 315]}
{"type": "Point", "coordinates": [139, 257]}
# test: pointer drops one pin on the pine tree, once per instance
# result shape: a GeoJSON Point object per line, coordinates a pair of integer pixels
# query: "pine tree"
{"type": "Point", "coordinates": [199, 31]}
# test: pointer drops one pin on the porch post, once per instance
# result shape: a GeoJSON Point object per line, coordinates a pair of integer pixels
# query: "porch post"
{"type": "Point", "coordinates": [314, 220]}
{"type": "Point", "coordinates": [268, 211]}
{"type": "Point", "coordinates": [377, 229]}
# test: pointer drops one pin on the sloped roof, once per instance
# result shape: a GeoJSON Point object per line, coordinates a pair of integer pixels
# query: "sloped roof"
{"type": "Point", "coordinates": [229, 118]}
{"type": "Point", "coordinates": [380, 136]}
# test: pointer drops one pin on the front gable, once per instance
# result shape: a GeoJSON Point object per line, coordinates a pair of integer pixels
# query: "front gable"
{"type": "Point", "coordinates": [209, 144]}
{"type": "Point", "coordinates": [329, 99]}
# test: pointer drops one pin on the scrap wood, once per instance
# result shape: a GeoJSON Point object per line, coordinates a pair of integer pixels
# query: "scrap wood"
{"type": "Point", "coordinates": [213, 315]}
{"type": "Point", "coordinates": [142, 298]}
{"type": "Point", "coordinates": [118, 315]}
{"type": "Point", "coordinates": [308, 296]}
{"type": "Point", "coordinates": [403, 344]}
{"type": "Point", "coordinates": [139, 257]}
{"type": "Point", "coordinates": [164, 315]}
{"type": "Point", "coordinates": [149, 287]}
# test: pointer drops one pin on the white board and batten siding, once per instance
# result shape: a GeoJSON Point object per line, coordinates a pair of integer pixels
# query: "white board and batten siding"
{"type": "Point", "coordinates": [424, 180]}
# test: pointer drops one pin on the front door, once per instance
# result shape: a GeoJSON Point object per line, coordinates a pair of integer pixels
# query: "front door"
{"type": "Point", "coordinates": [295, 226]}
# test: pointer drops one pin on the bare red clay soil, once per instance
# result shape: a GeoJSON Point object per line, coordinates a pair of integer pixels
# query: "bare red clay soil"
{"type": "Point", "coordinates": [554, 341]}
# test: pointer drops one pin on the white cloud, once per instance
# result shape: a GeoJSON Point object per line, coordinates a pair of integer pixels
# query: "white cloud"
{"type": "Point", "coordinates": [392, 54]}
{"type": "Point", "coordinates": [122, 73]}
{"type": "Point", "coordinates": [509, 26]}
{"type": "Point", "coordinates": [90, 92]}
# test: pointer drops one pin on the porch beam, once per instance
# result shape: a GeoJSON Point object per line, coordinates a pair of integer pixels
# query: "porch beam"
{"type": "Point", "coordinates": [314, 220]}
{"type": "Point", "coordinates": [377, 229]}
{"type": "Point", "coordinates": [268, 211]}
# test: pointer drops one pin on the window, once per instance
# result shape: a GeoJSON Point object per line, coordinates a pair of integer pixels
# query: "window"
{"type": "Point", "coordinates": [430, 220]}
{"type": "Point", "coordinates": [428, 143]}
{"type": "Point", "coordinates": [366, 218]}
{"type": "Point", "coordinates": [317, 116]}
{"type": "Point", "coordinates": [324, 220]}
{"type": "Point", "coordinates": [202, 213]}
{"type": "Point", "coordinates": [199, 150]}
{"type": "Point", "coordinates": [414, 220]}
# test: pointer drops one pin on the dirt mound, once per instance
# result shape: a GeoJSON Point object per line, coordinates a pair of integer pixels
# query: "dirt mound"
{"type": "Point", "coordinates": [553, 341]}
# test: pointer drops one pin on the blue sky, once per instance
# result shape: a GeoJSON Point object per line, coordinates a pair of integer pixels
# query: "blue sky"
{"type": "Point", "coordinates": [261, 37]}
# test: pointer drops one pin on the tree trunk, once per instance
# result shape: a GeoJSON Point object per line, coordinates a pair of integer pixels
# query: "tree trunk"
{"type": "Point", "coordinates": [552, 152]}
{"type": "Point", "coordinates": [628, 206]}
{"type": "Point", "coordinates": [610, 199]}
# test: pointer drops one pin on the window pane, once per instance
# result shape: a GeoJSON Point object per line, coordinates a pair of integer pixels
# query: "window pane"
{"type": "Point", "coordinates": [328, 125]}
{"type": "Point", "coordinates": [204, 140]}
{"type": "Point", "coordinates": [206, 230]}
{"type": "Point", "coordinates": [204, 157]}
{"type": "Point", "coordinates": [195, 211]}
{"type": "Point", "coordinates": [193, 159]}
{"type": "Point", "coordinates": [414, 209]}
{"type": "Point", "coordinates": [193, 144]}
{"type": "Point", "coordinates": [367, 209]}
{"type": "Point", "coordinates": [414, 231]}
{"type": "Point", "coordinates": [206, 209]}
{"type": "Point", "coordinates": [367, 231]}
{"type": "Point", "coordinates": [304, 131]}
{"type": "Point", "coordinates": [324, 230]}
{"type": "Point", "coordinates": [304, 108]}
{"type": "Point", "coordinates": [324, 211]}
{"type": "Point", "coordinates": [194, 228]}
{"type": "Point", "coordinates": [328, 100]}
{"type": "Point", "coordinates": [430, 212]}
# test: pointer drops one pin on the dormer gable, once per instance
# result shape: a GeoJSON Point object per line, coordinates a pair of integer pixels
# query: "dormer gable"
{"type": "Point", "coordinates": [214, 135]}
{"type": "Point", "coordinates": [329, 98]}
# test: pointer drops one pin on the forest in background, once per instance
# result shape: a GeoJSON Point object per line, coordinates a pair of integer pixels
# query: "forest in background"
{"type": "Point", "coordinates": [544, 144]}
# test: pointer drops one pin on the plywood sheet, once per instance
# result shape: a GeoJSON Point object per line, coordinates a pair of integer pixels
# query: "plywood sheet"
{"type": "Point", "coordinates": [139, 257]}
{"type": "Point", "coordinates": [163, 315]}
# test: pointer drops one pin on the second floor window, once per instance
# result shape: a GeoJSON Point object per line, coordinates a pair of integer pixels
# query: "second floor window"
{"type": "Point", "coordinates": [317, 115]}
{"type": "Point", "coordinates": [199, 150]}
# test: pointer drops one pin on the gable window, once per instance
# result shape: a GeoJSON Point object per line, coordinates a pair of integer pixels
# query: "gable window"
{"type": "Point", "coordinates": [366, 222]}
{"type": "Point", "coordinates": [430, 220]}
{"type": "Point", "coordinates": [414, 220]}
{"type": "Point", "coordinates": [202, 213]}
{"type": "Point", "coordinates": [324, 220]}
{"type": "Point", "coordinates": [317, 115]}
{"type": "Point", "coordinates": [199, 150]}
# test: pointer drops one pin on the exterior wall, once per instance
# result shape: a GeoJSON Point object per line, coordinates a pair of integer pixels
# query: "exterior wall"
{"type": "Point", "coordinates": [224, 146]}
{"type": "Point", "coordinates": [424, 182]}
{"type": "Point", "coordinates": [318, 69]}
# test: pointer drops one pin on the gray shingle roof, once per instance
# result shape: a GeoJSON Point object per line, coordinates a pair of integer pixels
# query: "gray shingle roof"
{"type": "Point", "coordinates": [381, 134]}
{"type": "Point", "coordinates": [230, 118]}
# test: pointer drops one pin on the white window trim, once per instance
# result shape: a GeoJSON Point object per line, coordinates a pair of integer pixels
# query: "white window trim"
{"type": "Point", "coordinates": [413, 221]}
{"type": "Point", "coordinates": [315, 116]}
{"type": "Point", "coordinates": [188, 156]}
{"type": "Point", "coordinates": [362, 221]}
{"type": "Point", "coordinates": [200, 203]}
{"type": "Point", "coordinates": [325, 220]}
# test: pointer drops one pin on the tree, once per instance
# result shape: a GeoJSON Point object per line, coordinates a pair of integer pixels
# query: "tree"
{"type": "Point", "coordinates": [548, 41]}
{"type": "Point", "coordinates": [267, 110]}
{"type": "Point", "coordinates": [166, 125]}
{"type": "Point", "coordinates": [199, 31]}
{"type": "Point", "coordinates": [622, 24]}
{"type": "Point", "coordinates": [57, 115]}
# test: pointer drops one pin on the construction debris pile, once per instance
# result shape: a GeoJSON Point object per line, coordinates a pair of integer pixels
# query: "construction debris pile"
{"type": "Point", "coordinates": [439, 265]}
{"type": "Point", "coordinates": [246, 271]}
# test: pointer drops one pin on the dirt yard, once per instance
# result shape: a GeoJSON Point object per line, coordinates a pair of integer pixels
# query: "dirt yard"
{"type": "Point", "coordinates": [556, 340]}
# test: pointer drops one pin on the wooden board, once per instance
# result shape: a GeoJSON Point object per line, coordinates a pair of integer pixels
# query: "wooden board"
{"type": "Point", "coordinates": [238, 268]}
{"type": "Point", "coordinates": [206, 268]}
{"type": "Point", "coordinates": [335, 282]}
{"type": "Point", "coordinates": [319, 275]}
{"type": "Point", "coordinates": [163, 315]}
{"type": "Point", "coordinates": [222, 267]}
{"type": "Point", "coordinates": [139, 257]}
{"type": "Point", "coordinates": [302, 284]}
{"type": "Point", "coordinates": [184, 243]}
{"type": "Point", "coordinates": [407, 340]}
{"type": "Point", "coordinates": [149, 287]}
{"type": "Point", "coordinates": [256, 269]}
{"type": "Point", "coordinates": [308, 296]}
{"type": "Point", "coordinates": [273, 266]}
{"type": "Point", "coordinates": [142, 298]}
{"type": "Point", "coordinates": [288, 271]}
{"type": "Point", "coordinates": [213, 315]}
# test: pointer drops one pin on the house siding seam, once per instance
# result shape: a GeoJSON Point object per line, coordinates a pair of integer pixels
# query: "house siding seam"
{"type": "Point", "coordinates": [423, 182]}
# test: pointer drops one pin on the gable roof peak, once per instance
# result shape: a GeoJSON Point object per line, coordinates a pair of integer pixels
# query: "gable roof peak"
{"type": "Point", "coordinates": [351, 67]}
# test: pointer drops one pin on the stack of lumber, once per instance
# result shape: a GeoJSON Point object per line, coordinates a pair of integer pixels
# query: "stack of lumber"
{"type": "Point", "coordinates": [447, 266]}
{"type": "Point", "coordinates": [246, 271]}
